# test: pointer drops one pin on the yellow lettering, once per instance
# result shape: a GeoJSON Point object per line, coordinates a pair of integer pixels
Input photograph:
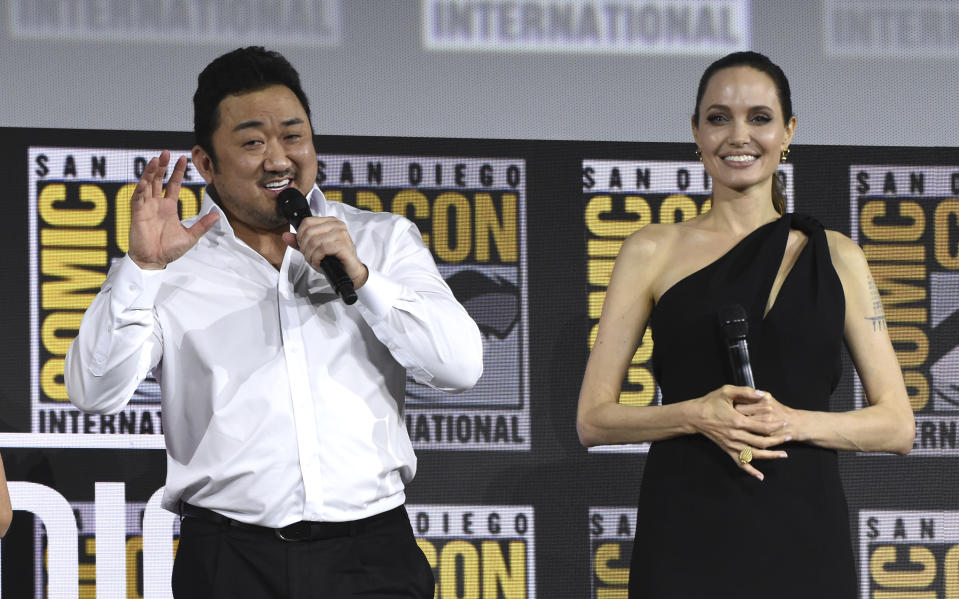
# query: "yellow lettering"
{"type": "Point", "coordinates": [121, 216]}
{"type": "Point", "coordinates": [950, 567]}
{"type": "Point", "coordinates": [917, 345]}
{"type": "Point", "coordinates": [601, 254]}
{"type": "Point", "coordinates": [947, 249]}
{"type": "Point", "coordinates": [464, 552]}
{"type": "Point", "coordinates": [134, 548]}
{"type": "Point", "coordinates": [606, 553]}
{"type": "Point", "coordinates": [637, 375]}
{"type": "Point", "coordinates": [73, 238]}
{"type": "Point", "coordinates": [645, 350]}
{"type": "Point", "coordinates": [916, 315]}
{"type": "Point", "coordinates": [599, 270]}
{"type": "Point", "coordinates": [189, 204]}
{"type": "Point", "coordinates": [86, 572]}
{"type": "Point", "coordinates": [894, 252]}
{"type": "Point", "coordinates": [893, 292]}
{"type": "Point", "coordinates": [51, 380]}
{"type": "Point", "coordinates": [595, 307]}
{"type": "Point", "coordinates": [72, 217]}
{"type": "Point", "coordinates": [369, 201]}
{"type": "Point", "coordinates": [65, 293]}
{"type": "Point", "coordinates": [603, 248]}
{"type": "Point", "coordinates": [496, 574]}
{"type": "Point", "coordinates": [916, 381]}
{"type": "Point", "coordinates": [421, 207]}
{"type": "Point", "coordinates": [503, 232]}
{"type": "Point", "coordinates": [902, 579]}
{"type": "Point", "coordinates": [675, 203]}
{"type": "Point", "coordinates": [55, 323]}
{"type": "Point", "coordinates": [460, 219]}
{"type": "Point", "coordinates": [618, 229]}
{"type": "Point", "coordinates": [876, 209]}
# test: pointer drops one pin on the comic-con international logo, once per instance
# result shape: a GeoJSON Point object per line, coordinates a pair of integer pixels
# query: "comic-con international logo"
{"type": "Point", "coordinates": [619, 198]}
{"type": "Point", "coordinates": [116, 547]}
{"type": "Point", "coordinates": [108, 546]}
{"type": "Point", "coordinates": [906, 218]}
{"type": "Point", "coordinates": [471, 212]}
{"type": "Point", "coordinates": [909, 554]}
{"type": "Point", "coordinates": [79, 220]}
{"type": "Point", "coordinates": [611, 533]}
{"type": "Point", "coordinates": [478, 550]}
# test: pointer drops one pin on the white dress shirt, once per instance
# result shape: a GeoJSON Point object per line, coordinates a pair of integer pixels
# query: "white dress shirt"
{"type": "Point", "coordinates": [280, 402]}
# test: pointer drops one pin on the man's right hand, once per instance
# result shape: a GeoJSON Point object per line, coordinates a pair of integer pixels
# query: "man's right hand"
{"type": "Point", "coordinates": [157, 237]}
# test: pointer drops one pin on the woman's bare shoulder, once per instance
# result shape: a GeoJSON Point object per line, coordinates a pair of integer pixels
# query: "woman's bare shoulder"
{"type": "Point", "coordinates": [652, 240]}
{"type": "Point", "coordinates": [845, 253]}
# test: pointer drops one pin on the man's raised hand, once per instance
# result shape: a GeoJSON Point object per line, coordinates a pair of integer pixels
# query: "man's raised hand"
{"type": "Point", "coordinates": [157, 237]}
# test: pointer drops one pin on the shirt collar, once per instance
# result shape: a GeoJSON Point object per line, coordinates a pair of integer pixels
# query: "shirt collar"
{"type": "Point", "coordinates": [317, 201]}
{"type": "Point", "coordinates": [222, 226]}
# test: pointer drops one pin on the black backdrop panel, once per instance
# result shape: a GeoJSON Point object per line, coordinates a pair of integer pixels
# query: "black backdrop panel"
{"type": "Point", "coordinates": [506, 502]}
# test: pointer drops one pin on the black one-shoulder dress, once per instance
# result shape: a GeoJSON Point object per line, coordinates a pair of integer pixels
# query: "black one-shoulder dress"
{"type": "Point", "coordinates": [706, 528]}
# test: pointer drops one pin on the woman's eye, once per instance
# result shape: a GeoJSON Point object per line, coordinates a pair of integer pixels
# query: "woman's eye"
{"type": "Point", "coordinates": [716, 118]}
{"type": "Point", "coordinates": [762, 118]}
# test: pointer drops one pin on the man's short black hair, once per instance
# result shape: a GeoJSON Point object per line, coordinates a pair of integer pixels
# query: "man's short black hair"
{"type": "Point", "coordinates": [240, 71]}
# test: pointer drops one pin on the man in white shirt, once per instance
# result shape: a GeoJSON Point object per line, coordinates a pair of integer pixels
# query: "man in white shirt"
{"type": "Point", "coordinates": [287, 453]}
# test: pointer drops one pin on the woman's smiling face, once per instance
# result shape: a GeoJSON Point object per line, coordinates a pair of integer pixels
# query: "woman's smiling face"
{"type": "Point", "coordinates": [742, 129]}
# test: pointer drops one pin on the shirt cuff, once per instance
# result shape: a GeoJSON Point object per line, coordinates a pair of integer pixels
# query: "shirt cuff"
{"type": "Point", "coordinates": [134, 287]}
{"type": "Point", "coordinates": [379, 294]}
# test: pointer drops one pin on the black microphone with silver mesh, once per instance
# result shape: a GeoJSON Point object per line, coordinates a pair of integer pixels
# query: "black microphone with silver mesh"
{"type": "Point", "coordinates": [734, 326]}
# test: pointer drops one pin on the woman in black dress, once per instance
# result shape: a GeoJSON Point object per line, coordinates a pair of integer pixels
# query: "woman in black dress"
{"type": "Point", "coordinates": [741, 494]}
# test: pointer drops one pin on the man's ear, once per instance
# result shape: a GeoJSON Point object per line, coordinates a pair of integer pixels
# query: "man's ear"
{"type": "Point", "coordinates": [203, 163]}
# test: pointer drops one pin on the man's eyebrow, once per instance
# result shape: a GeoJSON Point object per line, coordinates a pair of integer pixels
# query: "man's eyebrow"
{"type": "Point", "coordinates": [253, 123]}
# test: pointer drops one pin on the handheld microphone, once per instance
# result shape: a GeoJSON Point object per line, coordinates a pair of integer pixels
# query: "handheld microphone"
{"type": "Point", "coordinates": [295, 208]}
{"type": "Point", "coordinates": [734, 326]}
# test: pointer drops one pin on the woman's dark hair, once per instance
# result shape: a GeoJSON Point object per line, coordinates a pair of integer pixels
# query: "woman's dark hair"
{"type": "Point", "coordinates": [240, 71]}
{"type": "Point", "coordinates": [762, 64]}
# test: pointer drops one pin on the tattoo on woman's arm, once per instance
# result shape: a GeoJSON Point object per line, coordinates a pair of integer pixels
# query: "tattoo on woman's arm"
{"type": "Point", "coordinates": [878, 317]}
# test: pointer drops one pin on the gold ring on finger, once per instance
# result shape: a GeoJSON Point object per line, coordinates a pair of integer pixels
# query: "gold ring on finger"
{"type": "Point", "coordinates": [746, 455]}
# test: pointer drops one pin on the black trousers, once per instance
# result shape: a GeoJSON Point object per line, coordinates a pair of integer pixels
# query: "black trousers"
{"type": "Point", "coordinates": [379, 560]}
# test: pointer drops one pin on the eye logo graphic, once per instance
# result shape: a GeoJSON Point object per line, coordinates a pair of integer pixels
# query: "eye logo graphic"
{"type": "Point", "coordinates": [493, 302]}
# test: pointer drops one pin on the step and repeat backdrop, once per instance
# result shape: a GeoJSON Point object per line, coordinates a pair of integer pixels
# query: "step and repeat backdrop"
{"type": "Point", "coordinates": [506, 503]}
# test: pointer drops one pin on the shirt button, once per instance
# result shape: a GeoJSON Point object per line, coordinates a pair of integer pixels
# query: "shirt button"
{"type": "Point", "coordinates": [134, 288]}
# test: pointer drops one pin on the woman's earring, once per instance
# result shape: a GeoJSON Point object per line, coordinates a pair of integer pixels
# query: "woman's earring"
{"type": "Point", "coordinates": [699, 154]}
{"type": "Point", "coordinates": [784, 155]}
